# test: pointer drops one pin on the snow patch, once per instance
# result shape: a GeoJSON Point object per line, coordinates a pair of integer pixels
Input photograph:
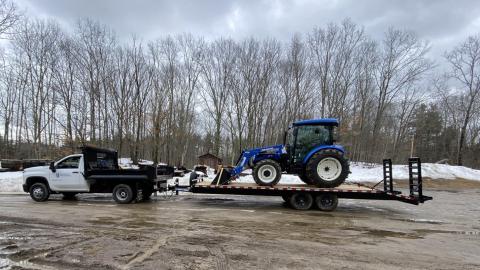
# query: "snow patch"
{"type": "Point", "coordinates": [11, 181]}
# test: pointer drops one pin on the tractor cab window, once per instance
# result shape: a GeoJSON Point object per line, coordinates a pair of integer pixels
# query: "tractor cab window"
{"type": "Point", "coordinates": [309, 137]}
{"type": "Point", "coordinates": [69, 163]}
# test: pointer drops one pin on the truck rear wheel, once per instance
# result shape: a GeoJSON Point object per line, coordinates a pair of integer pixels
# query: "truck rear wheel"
{"type": "Point", "coordinates": [39, 192]}
{"type": "Point", "coordinates": [301, 201]}
{"type": "Point", "coordinates": [326, 202]}
{"type": "Point", "coordinates": [123, 194]}
{"type": "Point", "coordinates": [146, 193]}
{"type": "Point", "coordinates": [327, 168]}
{"type": "Point", "coordinates": [267, 172]}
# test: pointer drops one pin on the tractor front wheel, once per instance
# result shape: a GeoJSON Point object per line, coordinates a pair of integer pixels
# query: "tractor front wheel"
{"type": "Point", "coordinates": [327, 168]}
{"type": "Point", "coordinates": [267, 172]}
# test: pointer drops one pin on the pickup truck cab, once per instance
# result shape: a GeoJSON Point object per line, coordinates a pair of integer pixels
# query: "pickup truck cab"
{"type": "Point", "coordinates": [95, 170]}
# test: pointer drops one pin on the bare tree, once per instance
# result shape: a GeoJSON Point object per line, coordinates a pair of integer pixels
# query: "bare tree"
{"type": "Point", "coordinates": [465, 70]}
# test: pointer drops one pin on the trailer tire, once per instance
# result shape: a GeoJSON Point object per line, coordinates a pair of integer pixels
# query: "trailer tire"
{"type": "Point", "coordinates": [39, 192]}
{"type": "Point", "coordinates": [69, 195]}
{"type": "Point", "coordinates": [326, 202]}
{"type": "Point", "coordinates": [327, 168]}
{"type": "Point", "coordinates": [123, 194]}
{"type": "Point", "coordinates": [301, 201]}
{"type": "Point", "coordinates": [267, 172]}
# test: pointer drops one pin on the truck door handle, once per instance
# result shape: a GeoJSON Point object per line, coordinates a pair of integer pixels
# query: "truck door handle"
{"type": "Point", "coordinates": [74, 172]}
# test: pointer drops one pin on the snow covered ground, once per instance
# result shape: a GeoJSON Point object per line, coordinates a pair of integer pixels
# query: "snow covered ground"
{"type": "Point", "coordinates": [361, 172]}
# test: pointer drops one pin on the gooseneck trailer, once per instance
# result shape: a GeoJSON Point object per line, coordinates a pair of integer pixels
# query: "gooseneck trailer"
{"type": "Point", "coordinates": [304, 196]}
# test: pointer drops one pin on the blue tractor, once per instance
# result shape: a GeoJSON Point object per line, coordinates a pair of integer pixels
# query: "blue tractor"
{"type": "Point", "coordinates": [309, 150]}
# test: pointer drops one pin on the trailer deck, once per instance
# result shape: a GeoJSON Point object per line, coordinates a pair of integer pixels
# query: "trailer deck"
{"type": "Point", "coordinates": [347, 191]}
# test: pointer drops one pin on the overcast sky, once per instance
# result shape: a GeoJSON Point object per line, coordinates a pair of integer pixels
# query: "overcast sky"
{"type": "Point", "coordinates": [443, 23]}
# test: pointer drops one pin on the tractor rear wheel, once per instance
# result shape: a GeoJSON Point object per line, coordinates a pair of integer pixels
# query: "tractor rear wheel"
{"type": "Point", "coordinates": [305, 179]}
{"type": "Point", "coordinates": [267, 172]}
{"type": "Point", "coordinates": [327, 168]}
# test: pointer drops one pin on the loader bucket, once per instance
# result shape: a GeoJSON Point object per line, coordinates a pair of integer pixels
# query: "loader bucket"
{"type": "Point", "coordinates": [223, 177]}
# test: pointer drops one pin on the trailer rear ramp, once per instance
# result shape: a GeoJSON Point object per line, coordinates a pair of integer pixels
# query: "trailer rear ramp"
{"type": "Point", "coordinates": [303, 197]}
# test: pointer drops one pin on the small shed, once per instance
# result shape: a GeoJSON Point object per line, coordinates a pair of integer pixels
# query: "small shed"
{"type": "Point", "coordinates": [210, 160]}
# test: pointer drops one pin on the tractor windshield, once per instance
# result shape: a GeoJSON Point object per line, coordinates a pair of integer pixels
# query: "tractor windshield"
{"type": "Point", "coordinates": [311, 136]}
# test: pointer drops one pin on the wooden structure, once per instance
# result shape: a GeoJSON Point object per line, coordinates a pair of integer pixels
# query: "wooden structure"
{"type": "Point", "coordinates": [209, 160]}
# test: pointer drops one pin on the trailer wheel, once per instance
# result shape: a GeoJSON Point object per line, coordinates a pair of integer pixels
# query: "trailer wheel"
{"type": "Point", "coordinates": [39, 192]}
{"type": "Point", "coordinates": [326, 202]}
{"type": "Point", "coordinates": [301, 201]}
{"type": "Point", "coordinates": [123, 194]}
{"type": "Point", "coordinates": [267, 172]}
{"type": "Point", "coordinates": [327, 168]}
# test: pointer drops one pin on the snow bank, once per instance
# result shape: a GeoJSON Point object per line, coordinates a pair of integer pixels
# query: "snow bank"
{"type": "Point", "coordinates": [362, 172]}
{"type": "Point", "coordinates": [11, 181]}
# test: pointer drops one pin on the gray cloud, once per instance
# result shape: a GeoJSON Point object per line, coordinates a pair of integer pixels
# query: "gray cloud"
{"type": "Point", "coordinates": [443, 23]}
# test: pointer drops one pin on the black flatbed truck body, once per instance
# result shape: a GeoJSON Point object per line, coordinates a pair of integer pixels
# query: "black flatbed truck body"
{"type": "Point", "coordinates": [347, 191]}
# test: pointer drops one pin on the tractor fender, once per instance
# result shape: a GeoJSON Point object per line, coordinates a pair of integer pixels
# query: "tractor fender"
{"type": "Point", "coordinates": [319, 148]}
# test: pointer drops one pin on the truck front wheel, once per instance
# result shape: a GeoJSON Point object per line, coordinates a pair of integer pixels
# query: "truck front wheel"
{"type": "Point", "coordinates": [123, 194]}
{"type": "Point", "coordinates": [39, 192]}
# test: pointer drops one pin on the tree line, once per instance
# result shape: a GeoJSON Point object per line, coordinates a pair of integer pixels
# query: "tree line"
{"type": "Point", "coordinates": [176, 97]}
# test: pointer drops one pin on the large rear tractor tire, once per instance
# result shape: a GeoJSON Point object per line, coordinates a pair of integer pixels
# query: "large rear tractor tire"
{"type": "Point", "coordinates": [39, 192]}
{"type": "Point", "coordinates": [327, 168]}
{"type": "Point", "coordinates": [305, 179]}
{"type": "Point", "coordinates": [267, 172]}
{"type": "Point", "coordinates": [123, 194]}
{"type": "Point", "coordinates": [301, 201]}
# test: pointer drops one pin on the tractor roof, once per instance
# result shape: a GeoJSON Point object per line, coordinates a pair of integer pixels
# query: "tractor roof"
{"type": "Point", "coordinates": [321, 121]}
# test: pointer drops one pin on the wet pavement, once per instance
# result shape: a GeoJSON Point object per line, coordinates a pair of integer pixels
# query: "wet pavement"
{"type": "Point", "coordinates": [239, 232]}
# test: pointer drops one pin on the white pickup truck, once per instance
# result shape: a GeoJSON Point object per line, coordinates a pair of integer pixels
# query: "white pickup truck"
{"type": "Point", "coordinates": [95, 170]}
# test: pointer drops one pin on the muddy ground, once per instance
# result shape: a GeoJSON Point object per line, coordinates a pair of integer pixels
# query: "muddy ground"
{"type": "Point", "coordinates": [241, 232]}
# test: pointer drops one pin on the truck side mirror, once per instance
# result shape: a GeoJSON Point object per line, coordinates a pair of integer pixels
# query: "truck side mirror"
{"type": "Point", "coordinates": [52, 166]}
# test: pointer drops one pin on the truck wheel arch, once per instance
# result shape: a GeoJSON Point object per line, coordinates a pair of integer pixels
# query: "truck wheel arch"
{"type": "Point", "coordinates": [37, 179]}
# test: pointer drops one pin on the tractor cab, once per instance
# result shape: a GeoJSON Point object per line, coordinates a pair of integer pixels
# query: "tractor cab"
{"type": "Point", "coordinates": [308, 136]}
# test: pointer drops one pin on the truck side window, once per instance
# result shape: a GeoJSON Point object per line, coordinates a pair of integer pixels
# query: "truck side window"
{"type": "Point", "coordinates": [69, 163]}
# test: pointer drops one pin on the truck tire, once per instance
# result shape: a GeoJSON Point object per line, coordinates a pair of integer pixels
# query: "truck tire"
{"type": "Point", "coordinates": [301, 201]}
{"type": "Point", "coordinates": [326, 202]}
{"type": "Point", "coordinates": [39, 192]}
{"type": "Point", "coordinates": [69, 195]}
{"type": "Point", "coordinates": [267, 172]}
{"type": "Point", "coordinates": [123, 194]}
{"type": "Point", "coordinates": [327, 168]}
{"type": "Point", "coordinates": [146, 193]}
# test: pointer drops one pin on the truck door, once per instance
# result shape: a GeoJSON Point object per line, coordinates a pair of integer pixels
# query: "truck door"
{"type": "Point", "coordinates": [68, 175]}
